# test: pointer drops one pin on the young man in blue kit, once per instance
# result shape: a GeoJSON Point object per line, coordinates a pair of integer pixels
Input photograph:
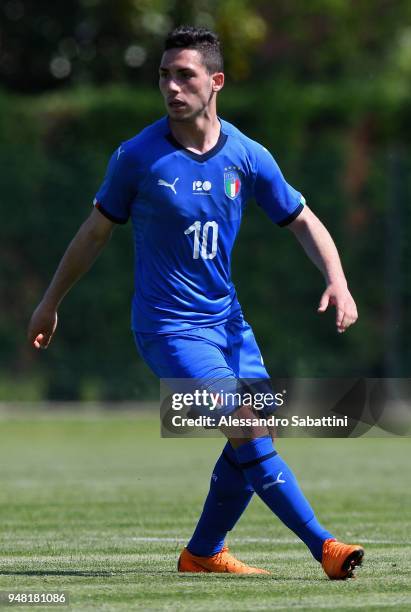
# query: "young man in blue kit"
{"type": "Point", "coordinates": [184, 181]}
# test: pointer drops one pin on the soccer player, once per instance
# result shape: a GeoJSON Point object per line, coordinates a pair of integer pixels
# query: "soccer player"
{"type": "Point", "coordinates": [184, 181]}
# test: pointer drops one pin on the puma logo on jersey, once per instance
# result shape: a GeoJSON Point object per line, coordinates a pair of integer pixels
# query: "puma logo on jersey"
{"type": "Point", "coordinates": [278, 480]}
{"type": "Point", "coordinates": [171, 185]}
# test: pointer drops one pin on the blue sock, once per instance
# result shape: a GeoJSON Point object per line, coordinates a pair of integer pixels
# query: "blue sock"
{"type": "Point", "coordinates": [276, 485]}
{"type": "Point", "coordinates": [227, 499]}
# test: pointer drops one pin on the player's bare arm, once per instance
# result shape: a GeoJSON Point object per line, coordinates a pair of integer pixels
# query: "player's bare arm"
{"type": "Point", "coordinates": [78, 258]}
{"type": "Point", "coordinates": [320, 248]}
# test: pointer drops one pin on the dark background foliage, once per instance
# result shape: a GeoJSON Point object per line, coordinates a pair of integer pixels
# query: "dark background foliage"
{"type": "Point", "coordinates": [324, 84]}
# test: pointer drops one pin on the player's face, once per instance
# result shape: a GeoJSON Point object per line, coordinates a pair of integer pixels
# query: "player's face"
{"type": "Point", "coordinates": [186, 85]}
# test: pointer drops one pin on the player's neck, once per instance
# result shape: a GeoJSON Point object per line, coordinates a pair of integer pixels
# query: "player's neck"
{"type": "Point", "coordinates": [198, 136]}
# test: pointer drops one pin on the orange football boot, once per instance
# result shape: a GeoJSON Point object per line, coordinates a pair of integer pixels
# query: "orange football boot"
{"type": "Point", "coordinates": [222, 562]}
{"type": "Point", "coordinates": [339, 560]}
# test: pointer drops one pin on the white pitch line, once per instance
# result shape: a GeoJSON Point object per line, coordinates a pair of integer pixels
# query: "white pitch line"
{"type": "Point", "coordinates": [261, 540]}
{"type": "Point", "coordinates": [318, 606]}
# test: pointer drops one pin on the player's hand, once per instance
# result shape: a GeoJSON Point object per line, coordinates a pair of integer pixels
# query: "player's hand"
{"type": "Point", "coordinates": [42, 326]}
{"type": "Point", "coordinates": [339, 296]}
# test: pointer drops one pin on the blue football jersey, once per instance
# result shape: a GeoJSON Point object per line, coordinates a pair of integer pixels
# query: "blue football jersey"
{"type": "Point", "coordinates": [186, 211]}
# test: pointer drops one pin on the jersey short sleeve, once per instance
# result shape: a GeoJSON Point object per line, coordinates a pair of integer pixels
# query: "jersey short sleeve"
{"type": "Point", "coordinates": [118, 189]}
{"type": "Point", "coordinates": [277, 198]}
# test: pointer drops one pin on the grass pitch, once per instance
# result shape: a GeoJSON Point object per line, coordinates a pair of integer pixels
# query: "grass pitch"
{"type": "Point", "coordinates": [99, 506]}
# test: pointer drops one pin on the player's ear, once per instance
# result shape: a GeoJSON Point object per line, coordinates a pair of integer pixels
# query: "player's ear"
{"type": "Point", "coordinates": [218, 81]}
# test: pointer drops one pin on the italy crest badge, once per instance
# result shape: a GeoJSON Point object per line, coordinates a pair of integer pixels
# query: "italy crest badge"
{"type": "Point", "coordinates": [232, 183]}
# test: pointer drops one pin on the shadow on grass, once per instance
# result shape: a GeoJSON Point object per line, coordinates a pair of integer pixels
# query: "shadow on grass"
{"type": "Point", "coordinates": [179, 576]}
{"type": "Point", "coordinates": [89, 574]}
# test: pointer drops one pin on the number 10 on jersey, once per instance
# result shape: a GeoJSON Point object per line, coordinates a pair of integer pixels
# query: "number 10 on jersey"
{"type": "Point", "coordinates": [200, 245]}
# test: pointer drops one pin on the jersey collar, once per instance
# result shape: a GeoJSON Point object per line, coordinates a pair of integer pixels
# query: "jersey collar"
{"type": "Point", "coordinates": [200, 157]}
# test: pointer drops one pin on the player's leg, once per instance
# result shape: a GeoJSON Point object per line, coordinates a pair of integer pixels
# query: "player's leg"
{"type": "Point", "coordinates": [228, 497]}
{"type": "Point", "coordinates": [275, 483]}
{"type": "Point", "coordinates": [199, 356]}
{"type": "Point", "coordinates": [267, 472]}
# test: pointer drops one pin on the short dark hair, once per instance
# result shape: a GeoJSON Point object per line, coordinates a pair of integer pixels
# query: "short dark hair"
{"type": "Point", "coordinates": [203, 40]}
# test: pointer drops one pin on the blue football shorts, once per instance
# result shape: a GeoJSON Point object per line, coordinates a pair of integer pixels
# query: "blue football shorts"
{"type": "Point", "coordinates": [220, 357]}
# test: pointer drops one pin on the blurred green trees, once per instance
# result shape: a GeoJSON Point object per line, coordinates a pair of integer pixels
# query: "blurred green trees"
{"type": "Point", "coordinates": [324, 84]}
{"type": "Point", "coordinates": [47, 45]}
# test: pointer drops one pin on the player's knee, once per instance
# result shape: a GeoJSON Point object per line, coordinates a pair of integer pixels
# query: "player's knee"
{"type": "Point", "coordinates": [244, 425]}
